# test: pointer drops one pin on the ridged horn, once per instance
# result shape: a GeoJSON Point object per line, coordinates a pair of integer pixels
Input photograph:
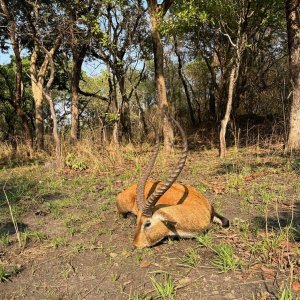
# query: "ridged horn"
{"type": "Point", "coordinates": [140, 191]}
{"type": "Point", "coordinates": [154, 197]}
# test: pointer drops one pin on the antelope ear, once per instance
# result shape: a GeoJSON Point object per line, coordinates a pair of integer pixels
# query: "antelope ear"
{"type": "Point", "coordinates": [167, 221]}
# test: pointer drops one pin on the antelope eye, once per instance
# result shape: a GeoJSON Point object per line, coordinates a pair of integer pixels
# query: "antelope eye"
{"type": "Point", "coordinates": [147, 224]}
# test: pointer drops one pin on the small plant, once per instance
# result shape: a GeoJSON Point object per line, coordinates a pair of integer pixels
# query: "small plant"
{"type": "Point", "coordinates": [78, 248]}
{"type": "Point", "coordinates": [4, 239]}
{"type": "Point", "coordinates": [234, 182]}
{"type": "Point", "coordinates": [72, 225]}
{"type": "Point", "coordinates": [201, 188]}
{"type": "Point", "coordinates": [164, 289]}
{"type": "Point", "coordinates": [75, 163]}
{"type": "Point", "coordinates": [205, 239]}
{"type": "Point", "coordinates": [286, 293]}
{"type": "Point", "coordinates": [225, 259]}
{"type": "Point", "coordinates": [115, 277]}
{"type": "Point", "coordinates": [59, 242]}
{"type": "Point", "coordinates": [190, 258]}
{"type": "Point", "coordinates": [296, 165]}
{"type": "Point", "coordinates": [137, 296]}
{"type": "Point", "coordinates": [32, 235]}
{"type": "Point", "coordinates": [4, 274]}
{"type": "Point", "coordinates": [266, 245]}
{"type": "Point", "coordinates": [54, 209]}
{"type": "Point", "coordinates": [295, 233]}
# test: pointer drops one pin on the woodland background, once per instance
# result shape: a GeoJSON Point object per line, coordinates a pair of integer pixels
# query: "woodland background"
{"type": "Point", "coordinates": [102, 69]}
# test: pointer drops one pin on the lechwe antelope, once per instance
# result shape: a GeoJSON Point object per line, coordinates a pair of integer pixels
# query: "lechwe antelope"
{"type": "Point", "coordinates": [166, 208]}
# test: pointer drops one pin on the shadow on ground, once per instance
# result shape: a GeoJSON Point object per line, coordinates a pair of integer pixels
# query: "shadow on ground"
{"type": "Point", "coordinates": [285, 219]}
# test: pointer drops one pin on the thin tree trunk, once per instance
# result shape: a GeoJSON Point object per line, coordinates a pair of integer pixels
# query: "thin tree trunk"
{"type": "Point", "coordinates": [293, 31]}
{"type": "Point", "coordinates": [224, 122]}
{"type": "Point", "coordinates": [125, 108]}
{"type": "Point", "coordinates": [143, 119]}
{"type": "Point", "coordinates": [55, 131]}
{"type": "Point", "coordinates": [75, 79]}
{"type": "Point", "coordinates": [156, 15]}
{"type": "Point", "coordinates": [114, 142]}
{"type": "Point", "coordinates": [240, 47]}
{"type": "Point", "coordinates": [184, 83]}
{"type": "Point", "coordinates": [37, 93]}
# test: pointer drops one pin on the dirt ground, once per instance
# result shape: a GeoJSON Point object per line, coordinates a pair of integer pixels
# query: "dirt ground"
{"type": "Point", "coordinates": [75, 246]}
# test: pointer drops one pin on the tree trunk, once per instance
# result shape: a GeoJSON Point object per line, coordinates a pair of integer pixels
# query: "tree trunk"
{"type": "Point", "coordinates": [19, 69]}
{"type": "Point", "coordinates": [293, 31]}
{"type": "Point", "coordinates": [75, 79]}
{"type": "Point", "coordinates": [114, 142]}
{"type": "Point", "coordinates": [184, 83]}
{"type": "Point", "coordinates": [156, 15]}
{"type": "Point", "coordinates": [142, 113]}
{"type": "Point", "coordinates": [224, 122]}
{"type": "Point", "coordinates": [37, 83]}
{"type": "Point", "coordinates": [125, 108]}
{"type": "Point", "coordinates": [48, 96]}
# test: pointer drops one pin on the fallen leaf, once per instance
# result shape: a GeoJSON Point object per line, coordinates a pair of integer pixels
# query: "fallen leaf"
{"type": "Point", "coordinates": [296, 286]}
{"type": "Point", "coordinates": [145, 264]}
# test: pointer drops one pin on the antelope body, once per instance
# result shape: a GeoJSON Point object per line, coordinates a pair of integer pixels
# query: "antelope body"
{"type": "Point", "coordinates": [166, 208]}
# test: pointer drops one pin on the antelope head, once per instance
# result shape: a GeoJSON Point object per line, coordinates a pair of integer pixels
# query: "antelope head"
{"type": "Point", "coordinates": [153, 224]}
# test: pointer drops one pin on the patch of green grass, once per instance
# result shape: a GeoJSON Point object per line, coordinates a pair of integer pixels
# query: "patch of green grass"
{"type": "Point", "coordinates": [54, 209]}
{"type": "Point", "coordinates": [78, 248]}
{"type": "Point", "coordinates": [103, 207]}
{"type": "Point", "coordinates": [33, 235]}
{"type": "Point", "coordinates": [201, 188]}
{"type": "Point", "coordinates": [6, 273]}
{"type": "Point", "coordinates": [205, 239]}
{"type": "Point", "coordinates": [225, 259]}
{"type": "Point", "coordinates": [72, 224]}
{"type": "Point", "coordinates": [59, 242]}
{"type": "Point", "coordinates": [286, 293]}
{"type": "Point", "coordinates": [164, 289]}
{"type": "Point", "coordinates": [4, 239]}
{"type": "Point", "coordinates": [295, 164]}
{"type": "Point", "coordinates": [74, 162]}
{"type": "Point", "coordinates": [234, 182]}
{"type": "Point", "coordinates": [190, 258]}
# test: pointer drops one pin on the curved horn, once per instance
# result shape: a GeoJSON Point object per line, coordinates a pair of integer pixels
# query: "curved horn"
{"type": "Point", "coordinates": [151, 201]}
{"type": "Point", "coordinates": [140, 191]}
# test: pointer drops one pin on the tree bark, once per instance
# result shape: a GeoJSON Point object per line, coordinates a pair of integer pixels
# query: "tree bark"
{"type": "Point", "coordinates": [55, 131]}
{"type": "Point", "coordinates": [293, 31]}
{"type": "Point", "coordinates": [142, 113]}
{"type": "Point", "coordinates": [125, 108]}
{"type": "Point", "coordinates": [224, 122]}
{"type": "Point", "coordinates": [78, 57]}
{"type": "Point", "coordinates": [115, 142]}
{"type": "Point", "coordinates": [37, 93]}
{"type": "Point", "coordinates": [16, 103]}
{"type": "Point", "coordinates": [157, 12]}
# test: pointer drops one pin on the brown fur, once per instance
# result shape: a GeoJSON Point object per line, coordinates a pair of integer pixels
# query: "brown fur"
{"type": "Point", "coordinates": [181, 211]}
